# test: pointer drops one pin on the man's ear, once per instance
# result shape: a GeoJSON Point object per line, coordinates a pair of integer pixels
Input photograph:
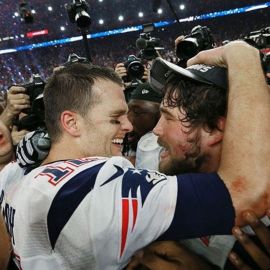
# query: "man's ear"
{"type": "Point", "coordinates": [69, 122]}
{"type": "Point", "coordinates": [216, 135]}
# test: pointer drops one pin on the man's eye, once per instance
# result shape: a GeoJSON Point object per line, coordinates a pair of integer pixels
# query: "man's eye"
{"type": "Point", "coordinates": [165, 257]}
{"type": "Point", "coordinates": [114, 122]}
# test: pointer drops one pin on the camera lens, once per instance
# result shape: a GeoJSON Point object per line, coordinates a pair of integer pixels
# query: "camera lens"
{"type": "Point", "coordinates": [135, 69]}
{"type": "Point", "coordinates": [187, 48]}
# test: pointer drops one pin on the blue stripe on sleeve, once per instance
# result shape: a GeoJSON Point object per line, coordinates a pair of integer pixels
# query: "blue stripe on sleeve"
{"type": "Point", "coordinates": [204, 207]}
{"type": "Point", "coordinates": [68, 199]}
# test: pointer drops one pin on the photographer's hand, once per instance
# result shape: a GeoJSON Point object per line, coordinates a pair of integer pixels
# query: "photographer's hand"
{"type": "Point", "coordinates": [145, 75]}
{"type": "Point", "coordinates": [17, 101]}
{"type": "Point", "coordinates": [121, 70]}
{"type": "Point", "coordinates": [178, 40]}
{"type": "Point", "coordinates": [17, 135]}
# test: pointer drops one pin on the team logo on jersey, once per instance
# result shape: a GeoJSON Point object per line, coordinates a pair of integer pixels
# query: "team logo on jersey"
{"type": "Point", "coordinates": [205, 240]}
{"type": "Point", "coordinates": [136, 186]}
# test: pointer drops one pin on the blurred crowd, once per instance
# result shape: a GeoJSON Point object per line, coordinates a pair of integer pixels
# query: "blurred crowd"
{"type": "Point", "coordinates": [98, 10]}
{"type": "Point", "coordinates": [17, 68]}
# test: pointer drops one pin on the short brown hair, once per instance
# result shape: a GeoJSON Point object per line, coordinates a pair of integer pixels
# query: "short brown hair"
{"type": "Point", "coordinates": [70, 88]}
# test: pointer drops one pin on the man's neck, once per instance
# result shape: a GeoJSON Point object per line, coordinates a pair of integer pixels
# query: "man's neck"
{"type": "Point", "coordinates": [60, 151]}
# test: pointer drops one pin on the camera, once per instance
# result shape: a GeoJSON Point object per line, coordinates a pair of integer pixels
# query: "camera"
{"type": "Point", "coordinates": [78, 13]}
{"type": "Point", "coordinates": [135, 69]}
{"type": "Point", "coordinates": [74, 58]}
{"type": "Point", "coordinates": [259, 39]}
{"type": "Point", "coordinates": [198, 40]}
{"type": "Point", "coordinates": [26, 12]}
{"type": "Point", "coordinates": [35, 116]}
{"type": "Point", "coordinates": [148, 44]}
{"type": "Point", "coordinates": [33, 89]}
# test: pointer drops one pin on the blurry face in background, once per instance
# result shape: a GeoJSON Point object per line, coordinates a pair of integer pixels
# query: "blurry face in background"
{"type": "Point", "coordinates": [6, 146]}
{"type": "Point", "coordinates": [143, 115]}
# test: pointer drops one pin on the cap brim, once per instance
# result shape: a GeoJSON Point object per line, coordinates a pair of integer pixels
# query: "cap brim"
{"type": "Point", "coordinates": [161, 69]}
{"type": "Point", "coordinates": [184, 72]}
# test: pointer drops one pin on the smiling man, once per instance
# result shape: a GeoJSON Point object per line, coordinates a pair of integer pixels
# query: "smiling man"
{"type": "Point", "coordinates": [192, 122]}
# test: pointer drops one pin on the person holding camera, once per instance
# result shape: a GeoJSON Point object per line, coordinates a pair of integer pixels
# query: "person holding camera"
{"type": "Point", "coordinates": [132, 72]}
{"type": "Point", "coordinates": [17, 101]}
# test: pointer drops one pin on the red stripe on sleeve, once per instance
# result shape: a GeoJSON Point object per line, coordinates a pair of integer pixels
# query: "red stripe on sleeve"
{"type": "Point", "coordinates": [125, 217]}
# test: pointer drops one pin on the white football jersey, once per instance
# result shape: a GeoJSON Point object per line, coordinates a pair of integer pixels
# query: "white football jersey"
{"type": "Point", "coordinates": [94, 213]}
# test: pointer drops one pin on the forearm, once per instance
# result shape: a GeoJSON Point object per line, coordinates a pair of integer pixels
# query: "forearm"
{"type": "Point", "coordinates": [246, 146]}
{"type": "Point", "coordinates": [246, 151]}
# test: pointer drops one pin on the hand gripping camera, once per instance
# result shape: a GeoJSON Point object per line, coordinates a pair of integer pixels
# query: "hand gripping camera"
{"type": "Point", "coordinates": [35, 116]}
{"type": "Point", "coordinates": [198, 40]}
{"type": "Point", "coordinates": [134, 67]}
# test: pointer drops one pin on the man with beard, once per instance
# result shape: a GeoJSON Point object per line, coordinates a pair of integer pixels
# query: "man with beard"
{"type": "Point", "coordinates": [191, 126]}
{"type": "Point", "coordinates": [191, 130]}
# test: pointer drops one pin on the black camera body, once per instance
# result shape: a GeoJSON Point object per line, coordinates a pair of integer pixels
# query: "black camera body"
{"type": "Point", "coordinates": [148, 46]}
{"type": "Point", "coordinates": [26, 12]}
{"type": "Point", "coordinates": [78, 13]}
{"type": "Point", "coordinates": [33, 89]}
{"type": "Point", "coordinates": [35, 115]}
{"type": "Point", "coordinates": [259, 39]}
{"type": "Point", "coordinates": [135, 69]}
{"type": "Point", "coordinates": [198, 40]}
{"type": "Point", "coordinates": [74, 58]}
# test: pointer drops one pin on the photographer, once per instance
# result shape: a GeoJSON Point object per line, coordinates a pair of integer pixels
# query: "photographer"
{"type": "Point", "coordinates": [17, 101]}
{"type": "Point", "coordinates": [129, 80]}
{"type": "Point", "coordinates": [199, 39]}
